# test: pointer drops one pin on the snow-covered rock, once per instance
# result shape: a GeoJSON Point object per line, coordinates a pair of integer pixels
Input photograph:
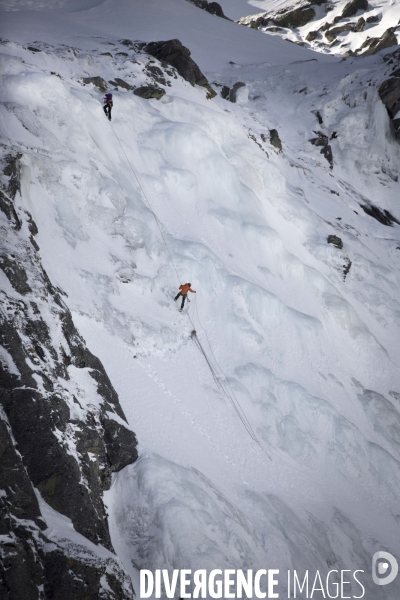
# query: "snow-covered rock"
{"type": "Point", "coordinates": [337, 27]}
{"type": "Point", "coordinates": [63, 431]}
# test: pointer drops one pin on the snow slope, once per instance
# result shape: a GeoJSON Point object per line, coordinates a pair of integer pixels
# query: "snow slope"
{"type": "Point", "coordinates": [310, 357]}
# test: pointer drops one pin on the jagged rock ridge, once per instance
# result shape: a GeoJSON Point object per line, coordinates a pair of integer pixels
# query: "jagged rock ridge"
{"type": "Point", "coordinates": [389, 91]}
{"type": "Point", "coordinates": [325, 26]}
{"type": "Point", "coordinates": [172, 52]}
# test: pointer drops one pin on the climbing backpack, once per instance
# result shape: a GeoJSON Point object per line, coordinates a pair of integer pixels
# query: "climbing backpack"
{"type": "Point", "coordinates": [109, 99]}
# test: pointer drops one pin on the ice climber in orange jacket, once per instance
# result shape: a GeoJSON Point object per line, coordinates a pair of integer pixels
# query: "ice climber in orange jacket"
{"type": "Point", "coordinates": [185, 288]}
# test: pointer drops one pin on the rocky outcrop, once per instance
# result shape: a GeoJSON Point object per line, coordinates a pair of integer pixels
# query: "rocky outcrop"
{"type": "Point", "coordinates": [255, 21]}
{"type": "Point", "coordinates": [173, 53]}
{"type": "Point", "coordinates": [299, 14]}
{"type": "Point", "coordinates": [360, 24]}
{"type": "Point", "coordinates": [61, 435]}
{"type": "Point", "coordinates": [118, 82]}
{"type": "Point", "coordinates": [353, 7]}
{"type": "Point", "coordinates": [332, 34]}
{"type": "Point", "coordinates": [295, 18]}
{"type": "Point", "coordinates": [98, 82]}
{"type": "Point", "coordinates": [374, 19]}
{"type": "Point", "coordinates": [290, 17]}
{"type": "Point", "coordinates": [211, 7]}
{"type": "Point", "coordinates": [336, 241]}
{"type": "Point", "coordinates": [225, 91]}
{"type": "Point", "coordinates": [312, 35]}
{"type": "Point", "coordinates": [323, 141]}
{"type": "Point", "coordinates": [275, 139]}
{"type": "Point", "coordinates": [157, 75]}
{"type": "Point", "coordinates": [149, 91]}
{"type": "Point", "coordinates": [234, 89]}
{"type": "Point", "coordinates": [374, 45]}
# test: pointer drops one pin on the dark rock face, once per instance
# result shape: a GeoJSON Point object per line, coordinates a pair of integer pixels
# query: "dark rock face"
{"type": "Point", "coordinates": [97, 82]}
{"type": "Point", "coordinates": [383, 216]}
{"type": "Point", "coordinates": [225, 91]}
{"type": "Point", "coordinates": [389, 93]}
{"type": "Point", "coordinates": [211, 7]}
{"type": "Point", "coordinates": [215, 9]}
{"type": "Point", "coordinates": [20, 571]}
{"type": "Point", "coordinates": [11, 170]}
{"type": "Point", "coordinates": [353, 7]}
{"type": "Point", "coordinates": [396, 125]}
{"type": "Point", "coordinates": [234, 89]}
{"type": "Point", "coordinates": [312, 35]}
{"type": "Point", "coordinates": [360, 24]}
{"type": "Point", "coordinates": [175, 54]}
{"type": "Point", "coordinates": [78, 580]}
{"type": "Point", "coordinates": [67, 448]}
{"type": "Point", "coordinates": [149, 91]}
{"type": "Point", "coordinates": [295, 18]}
{"type": "Point", "coordinates": [336, 241]}
{"type": "Point", "coordinates": [323, 141]}
{"type": "Point", "coordinates": [15, 273]}
{"type": "Point", "coordinates": [275, 139]}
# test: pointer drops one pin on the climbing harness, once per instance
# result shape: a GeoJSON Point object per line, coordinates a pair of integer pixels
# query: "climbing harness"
{"type": "Point", "coordinates": [220, 378]}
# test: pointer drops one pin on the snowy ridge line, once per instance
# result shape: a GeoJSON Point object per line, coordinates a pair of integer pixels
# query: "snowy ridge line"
{"type": "Point", "coordinates": [232, 398]}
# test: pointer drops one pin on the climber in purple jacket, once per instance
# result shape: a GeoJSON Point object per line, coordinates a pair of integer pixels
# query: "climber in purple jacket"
{"type": "Point", "coordinates": [108, 104]}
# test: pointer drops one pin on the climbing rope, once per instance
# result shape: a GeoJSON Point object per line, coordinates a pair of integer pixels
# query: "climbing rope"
{"type": "Point", "coordinates": [214, 371]}
{"type": "Point", "coordinates": [229, 394]}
